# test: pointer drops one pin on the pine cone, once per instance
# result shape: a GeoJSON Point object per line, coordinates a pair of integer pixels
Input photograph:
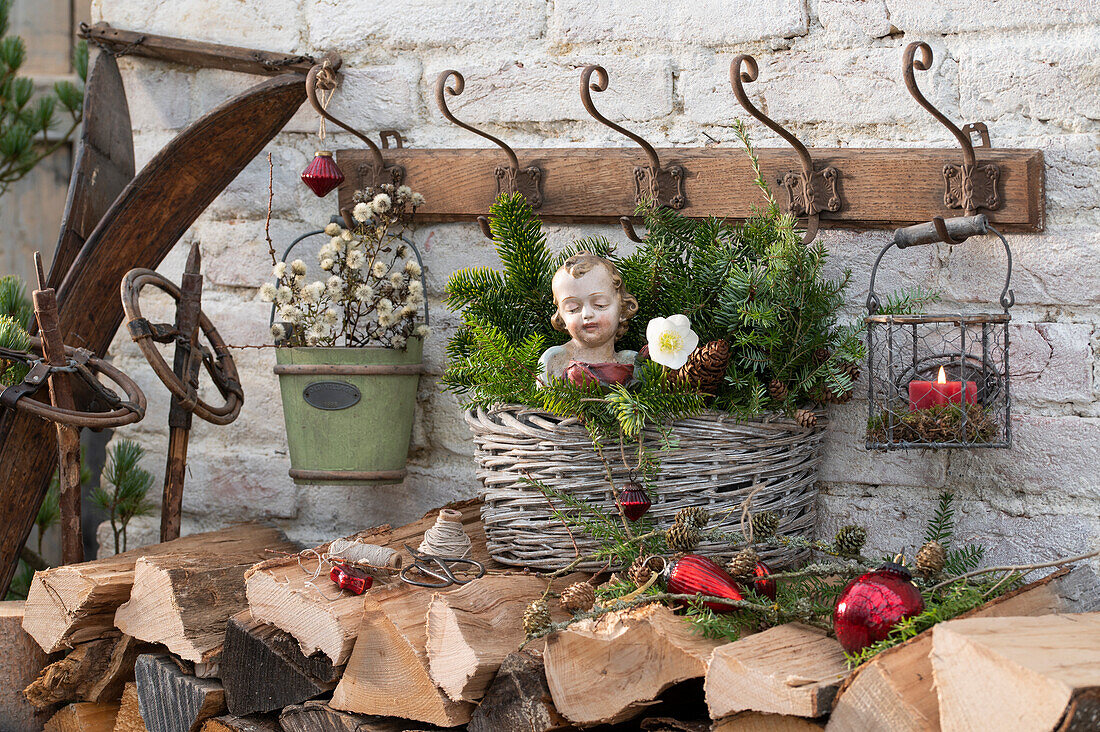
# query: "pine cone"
{"type": "Point", "coordinates": [706, 366]}
{"type": "Point", "coordinates": [930, 559]}
{"type": "Point", "coordinates": [764, 525]}
{"type": "Point", "coordinates": [643, 568]}
{"type": "Point", "coordinates": [821, 355]}
{"type": "Point", "coordinates": [536, 618]}
{"type": "Point", "coordinates": [850, 368]}
{"type": "Point", "coordinates": [805, 417]}
{"type": "Point", "coordinates": [831, 397]}
{"type": "Point", "coordinates": [743, 563]}
{"type": "Point", "coordinates": [682, 537]}
{"type": "Point", "coordinates": [849, 540]}
{"type": "Point", "coordinates": [778, 389]}
{"type": "Point", "coordinates": [696, 516]}
{"type": "Point", "coordinates": [578, 597]}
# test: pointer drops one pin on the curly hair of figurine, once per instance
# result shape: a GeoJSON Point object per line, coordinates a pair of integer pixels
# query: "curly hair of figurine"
{"type": "Point", "coordinates": [581, 264]}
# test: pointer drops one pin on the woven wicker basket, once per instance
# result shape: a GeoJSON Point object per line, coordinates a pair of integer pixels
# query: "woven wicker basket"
{"type": "Point", "coordinates": [714, 463]}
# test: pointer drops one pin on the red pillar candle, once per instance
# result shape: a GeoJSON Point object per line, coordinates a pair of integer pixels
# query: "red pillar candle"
{"type": "Point", "coordinates": [925, 394]}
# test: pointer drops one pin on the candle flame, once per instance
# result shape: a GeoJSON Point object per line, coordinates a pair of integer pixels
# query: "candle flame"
{"type": "Point", "coordinates": [941, 379]}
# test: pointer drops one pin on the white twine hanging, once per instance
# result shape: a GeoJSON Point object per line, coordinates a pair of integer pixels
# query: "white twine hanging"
{"type": "Point", "coordinates": [446, 537]}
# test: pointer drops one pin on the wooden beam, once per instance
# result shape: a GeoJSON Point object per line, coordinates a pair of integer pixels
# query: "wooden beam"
{"type": "Point", "coordinates": [880, 188]}
{"type": "Point", "coordinates": [139, 229]}
{"type": "Point", "coordinates": [196, 53]}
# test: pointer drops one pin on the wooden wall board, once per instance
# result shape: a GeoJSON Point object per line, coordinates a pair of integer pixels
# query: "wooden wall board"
{"type": "Point", "coordinates": [881, 188]}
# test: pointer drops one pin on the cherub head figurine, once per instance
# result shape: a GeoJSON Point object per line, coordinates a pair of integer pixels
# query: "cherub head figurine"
{"type": "Point", "coordinates": [594, 308]}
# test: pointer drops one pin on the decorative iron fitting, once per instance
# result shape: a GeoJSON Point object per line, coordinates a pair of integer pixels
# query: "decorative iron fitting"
{"type": "Point", "coordinates": [808, 197]}
{"type": "Point", "coordinates": [370, 175]}
{"type": "Point", "coordinates": [527, 182]}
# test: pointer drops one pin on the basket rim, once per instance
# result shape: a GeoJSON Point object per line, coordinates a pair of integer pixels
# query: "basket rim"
{"type": "Point", "coordinates": [711, 415]}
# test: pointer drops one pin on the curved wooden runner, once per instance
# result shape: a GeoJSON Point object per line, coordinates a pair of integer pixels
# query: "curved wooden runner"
{"type": "Point", "coordinates": [138, 230]}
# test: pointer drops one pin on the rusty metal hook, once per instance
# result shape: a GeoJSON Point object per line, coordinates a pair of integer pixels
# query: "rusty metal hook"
{"type": "Point", "coordinates": [648, 179]}
{"type": "Point", "coordinates": [324, 74]}
{"type": "Point", "coordinates": [628, 229]}
{"type": "Point", "coordinates": [483, 222]}
{"type": "Point", "coordinates": [509, 180]}
{"type": "Point", "coordinates": [969, 186]}
{"type": "Point", "coordinates": [803, 191]}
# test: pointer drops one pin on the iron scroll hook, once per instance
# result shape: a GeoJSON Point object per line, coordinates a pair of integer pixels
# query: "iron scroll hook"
{"type": "Point", "coordinates": [969, 186]}
{"type": "Point", "coordinates": [805, 191]}
{"type": "Point", "coordinates": [323, 75]}
{"type": "Point", "coordinates": [647, 179]}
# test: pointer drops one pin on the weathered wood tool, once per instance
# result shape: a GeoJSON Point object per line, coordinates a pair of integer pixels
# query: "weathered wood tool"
{"type": "Point", "coordinates": [57, 362]}
{"type": "Point", "coordinates": [183, 378]}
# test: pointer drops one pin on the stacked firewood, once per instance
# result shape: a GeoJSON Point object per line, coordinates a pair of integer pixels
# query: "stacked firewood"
{"type": "Point", "coordinates": [238, 630]}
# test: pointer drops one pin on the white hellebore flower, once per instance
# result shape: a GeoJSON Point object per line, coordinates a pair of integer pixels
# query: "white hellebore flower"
{"type": "Point", "coordinates": [671, 340]}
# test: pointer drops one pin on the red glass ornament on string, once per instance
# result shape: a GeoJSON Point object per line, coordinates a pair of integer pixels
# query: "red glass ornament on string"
{"type": "Point", "coordinates": [872, 604]}
{"type": "Point", "coordinates": [692, 574]}
{"type": "Point", "coordinates": [322, 175]}
{"type": "Point", "coordinates": [634, 501]}
{"type": "Point", "coordinates": [355, 581]}
{"type": "Point", "coordinates": [763, 585]}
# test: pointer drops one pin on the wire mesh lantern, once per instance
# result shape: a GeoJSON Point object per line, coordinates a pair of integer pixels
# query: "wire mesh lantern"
{"type": "Point", "coordinates": [938, 380]}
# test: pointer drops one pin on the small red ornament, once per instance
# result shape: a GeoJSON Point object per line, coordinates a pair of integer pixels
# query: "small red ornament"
{"type": "Point", "coordinates": [634, 501]}
{"type": "Point", "coordinates": [692, 574]}
{"type": "Point", "coordinates": [763, 585]}
{"type": "Point", "coordinates": [322, 175]}
{"type": "Point", "coordinates": [355, 581]}
{"type": "Point", "coordinates": [872, 604]}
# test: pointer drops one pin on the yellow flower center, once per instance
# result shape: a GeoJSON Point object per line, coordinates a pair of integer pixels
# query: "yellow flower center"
{"type": "Point", "coordinates": [670, 342]}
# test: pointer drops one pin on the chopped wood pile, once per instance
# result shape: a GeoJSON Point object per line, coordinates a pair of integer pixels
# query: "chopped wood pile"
{"type": "Point", "coordinates": [238, 631]}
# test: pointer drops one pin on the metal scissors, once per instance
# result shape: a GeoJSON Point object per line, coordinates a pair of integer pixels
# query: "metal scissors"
{"type": "Point", "coordinates": [440, 568]}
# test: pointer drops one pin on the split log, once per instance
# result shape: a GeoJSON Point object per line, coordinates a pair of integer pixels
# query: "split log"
{"type": "Point", "coordinates": [263, 669]}
{"type": "Point", "coordinates": [791, 669]}
{"type": "Point", "coordinates": [759, 722]}
{"type": "Point", "coordinates": [518, 698]}
{"type": "Point", "coordinates": [283, 594]}
{"type": "Point", "coordinates": [23, 660]}
{"type": "Point", "coordinates": [606, 670]}
{"type": "Point", "coordinates": [472, 629]}
{"type": "Point", "coordinates": [1038, 673]}
{"type": "Point", "coordinates": [229, 723]}
{"type": "Point", "coordinates": [77, 603]}
{"type": "Point", "coordinates": [84, 717]}
{"type": "Point", "coordinates": [171, 700]}
{"type": "Point", "coordinates": [317, 716]}
{"type": "Point", "coordinates": [95, 671]}
{"type": "Point", "coordinates": [671, 724]}
{"type": "Point", "coordinates": [185, 600]}
{"type": "Point", "coordinates": [129, 715]}
{"type": "Point", "coordinates": [895, 689]}
{"type": "Point", "coordinates": [387, 674]}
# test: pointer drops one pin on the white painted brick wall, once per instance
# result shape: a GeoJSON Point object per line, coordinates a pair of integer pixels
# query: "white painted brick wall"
{"type": "Point", "coordinates": [830, 70]}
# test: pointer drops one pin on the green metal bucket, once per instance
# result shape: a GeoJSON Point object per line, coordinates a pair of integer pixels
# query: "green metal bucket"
{"type": "Point", "coordinates": [349, 412]}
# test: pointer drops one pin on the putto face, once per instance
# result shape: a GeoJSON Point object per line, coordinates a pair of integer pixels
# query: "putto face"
{"type": "Point", "coordinates": [589, 306]}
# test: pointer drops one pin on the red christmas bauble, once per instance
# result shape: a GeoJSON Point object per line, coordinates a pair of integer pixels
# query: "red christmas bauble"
{"type": "Point", "coordinates": [355, 581]}
{"type": "Point", "coordinates": [872, 604]}
{"type": "Point", "coordinates": [692, 574]}
{"type": "Point", "coordinates": [322, 175]}
{"type": "Point", "coordinates": [763, 585]}
{"type": "Point", "coordinates": [634, 501]}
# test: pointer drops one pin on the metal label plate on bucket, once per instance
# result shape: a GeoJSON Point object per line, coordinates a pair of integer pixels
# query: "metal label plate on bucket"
{"type": "Point", "coordinates": [331, 395]}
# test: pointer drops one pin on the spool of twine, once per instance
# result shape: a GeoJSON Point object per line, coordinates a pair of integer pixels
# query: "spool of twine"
{"type": "Point", "coordinates": [359, 552]}
{"type": "Point", "coordinates": [446, 537]}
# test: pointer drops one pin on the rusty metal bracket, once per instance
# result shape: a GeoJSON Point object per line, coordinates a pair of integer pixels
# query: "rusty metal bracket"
{"type": "Point", "coordinates": [972, 185]}
{"type": "Point", "coordinates": [653, 185]}
{"type": "Point", "coordinates": [809, 191]}
{"type": "Point", "coordinates": [510, 179]}
{"type": "Point", "coordinates": [373, 173]}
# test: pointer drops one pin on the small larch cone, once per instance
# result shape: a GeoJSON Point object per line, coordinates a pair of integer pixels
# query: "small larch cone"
{"type": "Point", "coordinates": [682, 537]}
{"type": "Point", "coordinates": [743, 563]}
{"type": "Point", "coordinates": [536, 618]}
{"type": "Point", "coordinates": [764, 525]}
{"type": "Point", "coordinates": [930, 559]}
{"type": "Point", "coordinates": [706, 366]}
{"type": "Point", "coordinates": [643, 568]}
{"type": "Point", "coordinates": [849, 540]}
{"type": "Point", "coordinates": [805, 417]}
{"type": "Point", "coordinates": [696, 516]}
{"type": "Point", "coordinates": [777, 389]}
{"type": "Point", "coordinates": [578, 597]}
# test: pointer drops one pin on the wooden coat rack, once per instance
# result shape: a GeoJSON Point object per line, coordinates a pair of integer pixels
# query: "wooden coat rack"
{"type": "Point", "coordinates": [860, 188]}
